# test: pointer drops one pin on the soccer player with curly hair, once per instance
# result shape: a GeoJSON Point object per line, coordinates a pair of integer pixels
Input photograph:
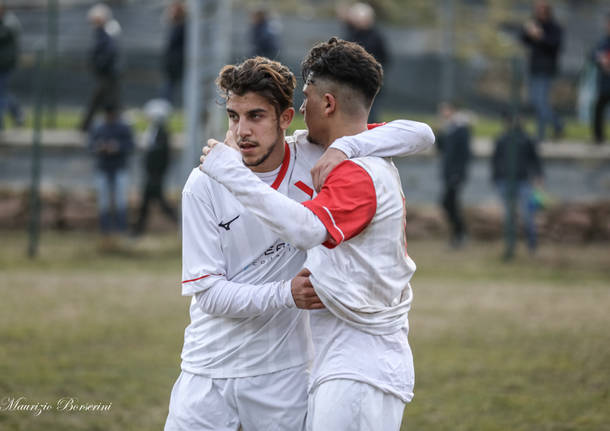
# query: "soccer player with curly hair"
{"type": "Point", "coordinates": [354, 230]}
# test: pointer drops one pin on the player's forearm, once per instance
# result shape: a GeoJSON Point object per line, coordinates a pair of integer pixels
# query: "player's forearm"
{"type": "Point", "coordinates": [290, 220]}
{"type": "Point", "coordinates": [229, 299]}
{"type": "Point", "coordinates": [398, 138]}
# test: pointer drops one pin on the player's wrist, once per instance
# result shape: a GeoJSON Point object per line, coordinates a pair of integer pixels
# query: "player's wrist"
{"type": "Point", "coordinates": [286, 294]}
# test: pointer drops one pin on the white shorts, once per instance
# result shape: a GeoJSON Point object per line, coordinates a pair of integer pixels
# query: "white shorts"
{"type": "Point", "coordinates": [349, 405]}
{"type": "Point", "coordinates": [269, 402]}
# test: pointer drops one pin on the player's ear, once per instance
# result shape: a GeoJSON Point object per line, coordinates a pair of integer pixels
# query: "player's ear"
{"type": "Point", "coordinates": [330, 104]}
{"type": "Point", "coordinates": [286, 118]}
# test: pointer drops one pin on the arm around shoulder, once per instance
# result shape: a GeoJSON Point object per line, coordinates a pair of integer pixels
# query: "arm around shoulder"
{"type": "Point", "coordinates": [397, 138]}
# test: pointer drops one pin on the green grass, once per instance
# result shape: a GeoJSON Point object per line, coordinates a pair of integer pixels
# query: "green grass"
{"type": "Point", "coordinates": [520, 346]}
{"type": "Point", "coordinates": [488, 127]}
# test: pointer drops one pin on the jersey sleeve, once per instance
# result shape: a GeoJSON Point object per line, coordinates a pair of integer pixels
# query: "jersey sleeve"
{"type": "Point", "coordinates": [398, 138]}
{"type": "Point", "coordinates": [202, 257]}
{"type": "Point", "coordinates": [346, 204]}
{"type": "Point", "coordinates": [230, 299]}
{"type": "Point", "coordinates": [203, 269]}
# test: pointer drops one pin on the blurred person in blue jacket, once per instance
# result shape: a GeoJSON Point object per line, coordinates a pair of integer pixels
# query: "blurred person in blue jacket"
{"type": "Point", "coordinates": [453, 143]}
{"type": "Point", "coordinates": [173, 54]}
{"type": "Point", "coordinates": [516, 169]}
{"type": "Point", "coordinates": [103, 62]}
{"type": "Point", "coordinates": [264, 35]}
{"type": "Point", "coordinates": [542, 35]}
{"type": "Point", "coordinates": [112, 144]}
{"type": "Point", "coordinates": [156, 162]}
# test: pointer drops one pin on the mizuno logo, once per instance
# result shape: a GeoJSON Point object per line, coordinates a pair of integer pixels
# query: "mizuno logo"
{"type": "Point", "coordinates": [227, 225]}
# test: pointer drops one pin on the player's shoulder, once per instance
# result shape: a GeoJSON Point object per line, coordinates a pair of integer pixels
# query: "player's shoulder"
{"type": "Point", "coordinates": [199, 184]}
{"type": "Point", "coordinates": [373, 163]}
{"type": "Point", "coordinates": [379, 169]}
{"type": "Point", "coordinates": [304, 150]}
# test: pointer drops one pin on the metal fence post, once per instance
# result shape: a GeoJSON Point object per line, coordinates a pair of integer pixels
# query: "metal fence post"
{"type": "Point", "coordinates": [34, 222]}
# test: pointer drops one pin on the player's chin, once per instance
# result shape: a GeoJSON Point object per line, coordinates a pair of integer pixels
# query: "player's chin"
{"type": "Point", "coordinates": [250, 160]}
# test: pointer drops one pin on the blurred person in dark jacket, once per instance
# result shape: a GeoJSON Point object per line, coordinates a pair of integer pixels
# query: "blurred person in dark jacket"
{"type": "Point", "coordinates": [264, 35]}
{"type": "Point", "coordinates": [103, 62]}
{"type": "Point", "coordinates": [156, 161]}
{"type": "Point", "coordinates": [602, 61]}
{"type": "Point", "coordinates": [112, 144]}
{"type": "Point", "coordinates": [173, 54]}
{"type": "Point", "coordinates": [516, 168]}
{"type": "Point", "coordinates": [359, 20]}
{"type": "Point", "coordinates": [9, 56]}
{"type": "Point", "coordinates": [542, 35]}
{"type": "Point", "coordinates": [453, 142]}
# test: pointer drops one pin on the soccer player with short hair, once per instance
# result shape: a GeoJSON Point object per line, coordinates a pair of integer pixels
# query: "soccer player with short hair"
{"type": "Point", "coordinates": [248, 347]}
{"type": "Point", "coordinates": [354, 231]}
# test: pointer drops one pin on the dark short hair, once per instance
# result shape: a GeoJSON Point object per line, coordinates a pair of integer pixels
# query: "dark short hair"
{"type": "Point", "coordinates": [268, 78]}
{"type": "Point", "coordinates": [345, 63]}
{"type": "Point", "coordinates": [110, 108]}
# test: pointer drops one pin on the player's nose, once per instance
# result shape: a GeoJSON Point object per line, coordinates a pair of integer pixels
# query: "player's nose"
{"type": "Point", "coordinates": [243, 128]}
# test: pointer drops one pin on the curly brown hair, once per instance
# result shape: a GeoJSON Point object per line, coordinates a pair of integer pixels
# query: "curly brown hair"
{"type": "Point", "coordinates": [268, 78]}
{"type": "Point", "coordinates": [345, 63]}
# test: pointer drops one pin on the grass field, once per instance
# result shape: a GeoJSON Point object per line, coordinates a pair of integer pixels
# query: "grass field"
{"type": "Point", "coordinates": [519, 346]}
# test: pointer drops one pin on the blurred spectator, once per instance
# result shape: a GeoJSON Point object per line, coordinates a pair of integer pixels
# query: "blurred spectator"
{"type": "Point", "coordinates": [173, 55]}
{"type": "Point", "coordinates": [9, 56]}
{"type": "Point", "coordinates": [103, 61]}
{"type": "Point", "coordinates": [359, 20]}
{"type": "Point", "coordinates": [453, 141]}
{"type": "Point", "coordinates": [602, 60]}
{"type": "Point", "coordinates": [156, 161]}
{"type": "Point", "coordinates": [264, 35]}
{"type": "Point", "coordinates": [111, 143]}
{"type": "Point", "coordinates": [516, 167]}
{"type": "Point", "coordinates": [543, 36]}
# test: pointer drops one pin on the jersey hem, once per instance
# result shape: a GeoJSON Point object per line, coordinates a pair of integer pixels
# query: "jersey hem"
{"type": "Point", "coordinates": [404, 396]}
{"type": "Point", "coordinates": [217, 374]}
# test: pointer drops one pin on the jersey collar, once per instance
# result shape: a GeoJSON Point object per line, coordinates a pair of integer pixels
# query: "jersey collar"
{"type": "Point", "coordinates": [282, 173]}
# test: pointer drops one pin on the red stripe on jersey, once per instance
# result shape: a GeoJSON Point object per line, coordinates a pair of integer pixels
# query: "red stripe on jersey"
{"type": "Point", "coordinates": [373, 125]}
{"type": "Point", "coordinates": [198, 278]}
{"type": "Point", "coordinates": [283, 169]}
{"type": "Point", "coordinates": [346, 204]}
{"type": "Point", "coordinates": [305, 188]}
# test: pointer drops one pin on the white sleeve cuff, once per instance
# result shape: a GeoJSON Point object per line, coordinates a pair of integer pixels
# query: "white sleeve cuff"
{"type": "Point", "coordinates": [343, 146]}
{"type": "Point", "coordinates": [285, 294]}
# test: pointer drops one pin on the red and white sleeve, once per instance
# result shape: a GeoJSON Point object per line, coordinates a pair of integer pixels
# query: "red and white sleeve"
{"type": "Point", "coordinates": [346, 204]}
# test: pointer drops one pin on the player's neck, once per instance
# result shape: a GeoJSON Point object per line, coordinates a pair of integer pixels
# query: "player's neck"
{"type": "Point", "coordinates": [346, 128]}
{"type": "Point", "coordinates": [275, 158]}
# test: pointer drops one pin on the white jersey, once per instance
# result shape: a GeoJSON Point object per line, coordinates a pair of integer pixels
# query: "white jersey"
{"type": "Point", "coordinates": [367, 207]}
{"type": "Point", "coordinates": [243, 320]}
{"type": "Point", "coordinates": [223, 243]}
{"type": "Point", "coordinates": [363, 280]}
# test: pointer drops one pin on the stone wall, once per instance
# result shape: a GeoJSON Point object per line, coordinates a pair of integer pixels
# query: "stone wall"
{"type": "Point", "coordinates": [566, 222]}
